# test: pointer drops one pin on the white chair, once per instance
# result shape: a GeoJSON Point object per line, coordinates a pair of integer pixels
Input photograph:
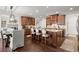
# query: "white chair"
{"type": "Point", "coordinates": [44, 33]}
{"type": "Point", "coordinates": [17, 39]}
{"type": "Point", "coordinates": [32, 34]}
{"type": "Point", "coordinates": [37, 37]}
{"type": "Point", "coordinates": [4, 38]}
{"type": "Point", "coordinates": [44, 36]}
{"type": "Point", "coordinates": [32, 31]}
{"type": "Point", "coordinates": [2, 31]}
{"type": "Point", "coordinates": [37, 32]}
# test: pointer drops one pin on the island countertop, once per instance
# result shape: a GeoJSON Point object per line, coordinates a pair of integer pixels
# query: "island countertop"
{"type": "Point", "coordinates": [54, 30]}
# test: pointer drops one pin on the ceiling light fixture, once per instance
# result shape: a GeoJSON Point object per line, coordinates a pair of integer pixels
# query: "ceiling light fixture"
{"type": "Point", "coordinates": [40, 16]}
{"type": "Point", "coordinates": [30, 13]}
{"type": "Point", "coordinates": [47, 6]}
{"type": "Point", "coordinates": [12, 17]}
{"type": "Point", "coordinates": [57, 12]}
{"type": "Point", "coordinates": [47, 14]}
{"type": "Point", "coordinates": [71, 9]}
{"type": "Point", "coordinates": [37, 11]}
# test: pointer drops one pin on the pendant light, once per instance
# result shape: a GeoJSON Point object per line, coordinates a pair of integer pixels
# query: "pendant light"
{"type": "Point", "coordinates": [12, 17]}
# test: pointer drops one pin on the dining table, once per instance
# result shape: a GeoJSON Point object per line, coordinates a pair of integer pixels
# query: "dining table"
{"type": "Point", "coordinates": [8, 35]}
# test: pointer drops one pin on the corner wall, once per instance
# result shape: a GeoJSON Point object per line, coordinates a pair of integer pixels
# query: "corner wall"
{"type": "Point", "coordinates": [70, 22]}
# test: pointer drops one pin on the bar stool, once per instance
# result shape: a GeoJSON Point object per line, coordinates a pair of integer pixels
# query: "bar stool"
{"type": "Point", "coordinates": [44, 37]}
{"type": "Point", "coordinates": [37, 37]}
{"type": "Point", "coordinates": [33, 34]}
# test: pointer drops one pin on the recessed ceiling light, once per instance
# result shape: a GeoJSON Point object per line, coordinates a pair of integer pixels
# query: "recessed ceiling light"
{"type": "Point", "coordinates": [37, 11]}
{"type": "Point", "coordinates": [71, 9]}
{"type": "Point", "coordinates": [30, 13]}
{"type": "Point", "coordinates": [57, 12]}
{"type": "Point", "coordinates": [40, 16]}
{"type": "Point", "coordinates": [47, 14]}
{"type": "Point", "coordinates": [47, 6]}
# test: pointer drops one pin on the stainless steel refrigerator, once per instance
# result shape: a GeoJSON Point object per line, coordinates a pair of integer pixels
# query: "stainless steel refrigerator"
{"type": "Point", "coordinates": [77, 27]}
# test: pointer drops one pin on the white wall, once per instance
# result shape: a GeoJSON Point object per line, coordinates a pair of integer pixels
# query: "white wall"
{"type": "Point", "coordinates": [0, 22]}
{"type": "Point", "coordinates": [71, 20]}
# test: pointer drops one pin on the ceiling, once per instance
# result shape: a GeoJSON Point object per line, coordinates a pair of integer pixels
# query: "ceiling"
{"type": "Point", "coordinates": [38, 11]}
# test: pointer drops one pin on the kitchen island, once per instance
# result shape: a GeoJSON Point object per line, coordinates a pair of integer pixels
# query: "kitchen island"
{"type": "Point", "coordinates": [56, 37]}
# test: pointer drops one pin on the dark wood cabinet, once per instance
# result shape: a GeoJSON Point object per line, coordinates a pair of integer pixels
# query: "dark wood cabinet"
{"type": "Point", "coordinates": [27, 20]}
{"type": "Point", "coordinates": [55, 19]}
{"type": "Point", "coordinates": [48, 20]}
{"type": "Point", "coordinates": [32, 21]}
{"type": "Point", "coordinates": [52, 19]}
{"type": "Point", "coordinates": [24, 20]}
{"type": "Point", "coordinates": [56, 38]}
{"type": "Point", "coordinates": [27, 31]}
{"type": "Point", "coordinates": [61, 19]}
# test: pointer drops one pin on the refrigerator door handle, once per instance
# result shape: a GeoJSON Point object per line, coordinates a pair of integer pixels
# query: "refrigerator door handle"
{"type": "Point", "coordinates": [77, 24]}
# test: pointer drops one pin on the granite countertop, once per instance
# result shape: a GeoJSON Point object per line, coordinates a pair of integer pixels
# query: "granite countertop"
{"type": "Point", "coordinates": [54, 30]}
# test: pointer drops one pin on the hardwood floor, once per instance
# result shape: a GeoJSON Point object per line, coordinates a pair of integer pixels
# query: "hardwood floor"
{"type": "Point", "coordinates": [3, 48]}
{"type": "Point", "coordinates": [30, 46]}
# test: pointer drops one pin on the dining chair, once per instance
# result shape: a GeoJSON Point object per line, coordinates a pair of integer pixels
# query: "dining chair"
{"type": "Point", "coordinates": [45, 36]}
{"type": "Point", "coordinates": [38, 34]}
{"type": "Point", "coordinates": [4, 39]}
{"type": "Point", "coordinates": [33, 34]}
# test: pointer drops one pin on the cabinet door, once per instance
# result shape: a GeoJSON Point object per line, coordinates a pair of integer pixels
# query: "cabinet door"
{"type": "Point", "coordinates": [54, 19]}
{"type": "Point", "coordinates": [27, 31]}
{"type": "Point", "coordinates": [61, 19]}
{"type": "Point", "coordinates": [54, 39]}
{"type": "Point", "coordinates": [23, 20]}
{"type": "Point", "coordinates": [32, 21]}
{"type": "Point", "coordinates": [48, 20]}
{"type": "Point", "coordinates": [29, 21]}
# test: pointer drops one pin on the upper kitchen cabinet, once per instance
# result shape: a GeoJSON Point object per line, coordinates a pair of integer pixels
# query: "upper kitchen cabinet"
{"type": "Point", "coordinates": [55, 19]}
{"type": "Point", "coordinates": [61, 19]}
{"type": "Point", "coordinates": [33, 21]}
{"type": "Point", "coordinates": [48, 20]}
{"type": "Point", "coordinates": [24, 20]}
{"type": "Point", "coordinates": [27, 20]}
{"type": "Point", "coordinates": [52, 19]}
